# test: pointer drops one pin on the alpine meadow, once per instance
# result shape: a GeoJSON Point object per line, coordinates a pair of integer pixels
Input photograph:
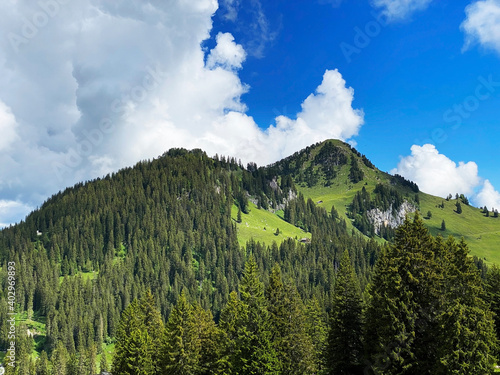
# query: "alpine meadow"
{"type": "Point", "coordinates": [317, 264]}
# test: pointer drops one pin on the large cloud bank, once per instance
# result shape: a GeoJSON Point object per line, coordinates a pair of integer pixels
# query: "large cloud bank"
{"type": "Point", "coordinates": [90, 86]}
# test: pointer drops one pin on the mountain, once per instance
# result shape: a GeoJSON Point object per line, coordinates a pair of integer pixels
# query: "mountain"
{"type": "Point", "coordinates": [328, 174]}
{"type": "Point", "coordinates": [185, 223]}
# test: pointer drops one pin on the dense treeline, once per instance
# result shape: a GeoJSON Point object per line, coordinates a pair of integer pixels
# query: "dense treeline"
{"type": "Point", "coordinates": [151, 226]}
{"type": "Point", "coordinates": [148, 258]}
{"type": "Point", "coordinates": [425, 312]}
{"type": "Point", "coordinates": [398, 179]}
{"type": "Point", "coordinates": [322, 162]}
{"type": "Point", "coordinates": [166, 226]}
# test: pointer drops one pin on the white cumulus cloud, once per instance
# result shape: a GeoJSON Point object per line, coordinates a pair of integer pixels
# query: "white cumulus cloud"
{"type": "Point", "coordinates": [488, 197]}
{"type": "Point", "coordinates": [482, 24]}
{"type": "Point", "coordinates": [100, 85]}
{"type": "Point", "coordinates": [227, 53]}
{"type": "Point", "coordinates": [397, 10]}
{"type": "Point", "coordinates": [327, 113]}
{"type": "Point", "coordinates": [436, 174]}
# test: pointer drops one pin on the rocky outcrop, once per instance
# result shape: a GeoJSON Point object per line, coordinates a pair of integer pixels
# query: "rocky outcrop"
{"type": "Point", "coordinates": [390, 218]}
{"type": "Point", "coordinates": [275, 186]}
{"type": "Point", "coordinates": [291, 196]}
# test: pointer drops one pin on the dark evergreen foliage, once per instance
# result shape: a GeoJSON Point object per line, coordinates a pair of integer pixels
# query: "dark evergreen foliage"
{"type": "Point", "coordinates": [111, 260]}
{"type": "Point", "coordinates": [344, 354]}
{"type": "Point", "coordinates": [426, 314]}
{"type": "Point", "coordinates": [356, 174]}
{"type": "Point", "coordinates": [398, 179]}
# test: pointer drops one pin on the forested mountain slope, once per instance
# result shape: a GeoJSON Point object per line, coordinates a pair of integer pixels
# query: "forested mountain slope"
{"type": "Point", "coordinates": [163, 225]}
{"type": "Point", "coordinates": [186, 224]}
{"type": "Point", "coordinates": [333, 173]}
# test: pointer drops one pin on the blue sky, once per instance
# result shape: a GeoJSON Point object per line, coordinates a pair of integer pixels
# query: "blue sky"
{"type": "Point", "coordinates": [407, 75]}
{"type": "Point", "coordinates": [89, 87]}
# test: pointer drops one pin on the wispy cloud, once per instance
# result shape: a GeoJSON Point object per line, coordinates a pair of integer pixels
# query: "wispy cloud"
{"type": "Point", "coordinates": [333, 3]}
{"type": "Point", "coordinates": [482, 24]}
{"type": "Point", "coordinates": [230, 9]}
{"type": "Point", "coordinates": [397, 10]}
{"type": "Point", "coordinates": [258, 31]}
{"type": "Point", "coordinates": [12, 211]}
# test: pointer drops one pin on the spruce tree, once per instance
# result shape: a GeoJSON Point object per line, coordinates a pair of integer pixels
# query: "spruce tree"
{"type": "Point", "coordinates": [136, 339]}
{"type": "Point", "coordinates": [238, 215]}
{"type": "Point", "coordinates": [426, 312]}
{"type": "Point", "coordinates": [103, 363]}
{"type": "Point", "coordinates": [232, 317]}
{"type": "Point", "coordinates": [400, 314]}
{"type": "Point", "coordinates": [92, 359]}
{"type": "Point", "coordinates": [59, 359]}
{"type": "Point", "coordinates": [317, 330]}
{"type": "Point", "coordinates": [443, 225]}
{"type": "Point", "coordinates": [131, 344]}
{"type": "Point", "coordinates": [182, 349]}
{"type": "Point", "coordinates": [293, 346]}
{"type": "Point", "coordinates": [492, 294]}
{"type": "Point", "coordinates": [257, 352]}
{"type": "Point", "coordinates": [83, 367]}
{"type": "Point", "coordinates": [467, 337]}
{"type": "Point", "coordinates": [153, 324]}
{"type": "Point", "coordinates": [210, 338]}
{"type": "Point", "coordinates": [42, 364]}
{"type": "Point", "coordinates": [345, 348]}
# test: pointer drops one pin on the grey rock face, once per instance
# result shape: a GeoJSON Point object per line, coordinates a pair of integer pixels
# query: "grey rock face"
{"type": "Point", "coordinates": [390, 218]}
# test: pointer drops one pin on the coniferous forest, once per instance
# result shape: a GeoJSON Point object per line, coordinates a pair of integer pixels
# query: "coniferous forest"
{"type": "Point", "coordinates": [141, 272]}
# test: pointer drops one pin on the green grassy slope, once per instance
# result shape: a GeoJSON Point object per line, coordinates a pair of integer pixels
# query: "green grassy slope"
{"type": "Point", "coordinates": [261, 225]}
{"type": "Point", "coordinates": [341, 193]}
{"type": "Point", "coordinates": [481, 233]}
